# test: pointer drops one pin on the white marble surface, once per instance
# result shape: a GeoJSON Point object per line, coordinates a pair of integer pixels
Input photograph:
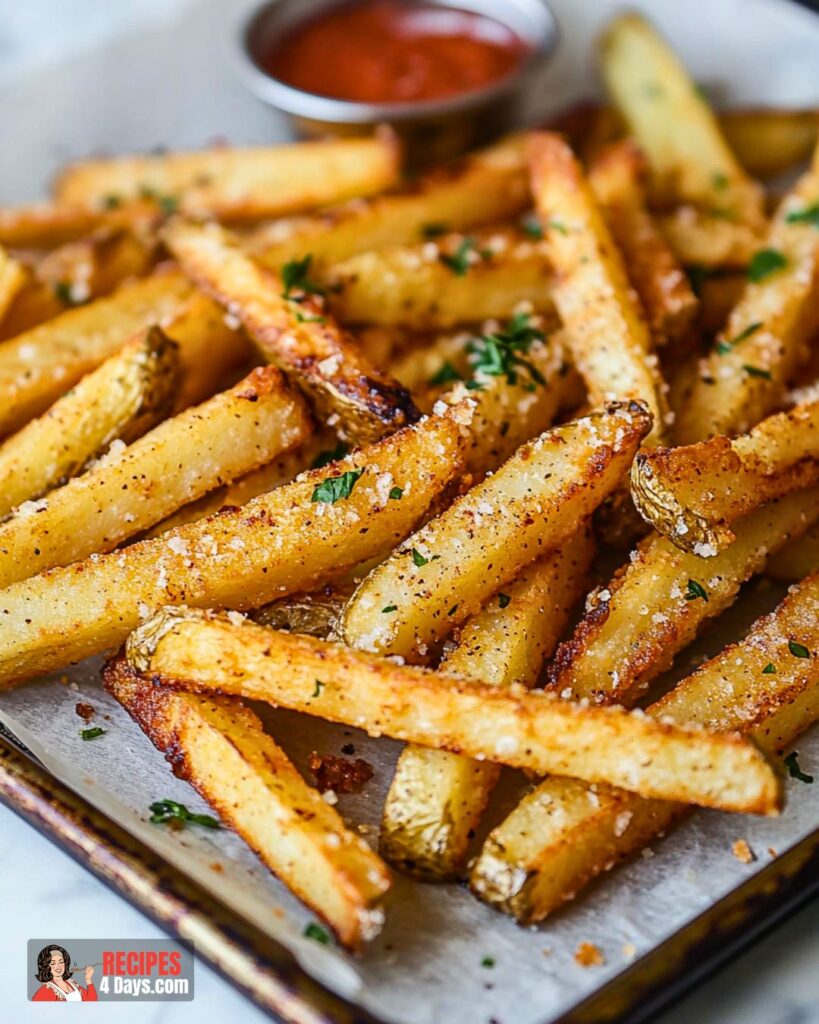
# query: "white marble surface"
{"type": "Point", "coordinates": [42, 891]}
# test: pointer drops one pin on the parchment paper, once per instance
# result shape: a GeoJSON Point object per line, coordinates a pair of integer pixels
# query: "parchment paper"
{"type": "Point", "coordinates": [171, 83]}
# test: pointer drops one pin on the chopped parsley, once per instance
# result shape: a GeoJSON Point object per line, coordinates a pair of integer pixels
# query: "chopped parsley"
{"type": "Point", "coordinates": [558, 226]}
{"type": "Point", "coordinates": [302, 318]}
{"type": "Point", "coordinates": [319, 687]}
{"type": "Point", "coordinates": [452, 610]}
{"type": "Point", "coordinates": [724, 347]}
{"type": "Point", "coordinates": [808, 215]}
{"type": "Point", "coordinates": [330, 455]}
{"type": "Point", "coordinates": [62, 290]}
{"type": "Point", "coordinates": [769, 670]}
{"type": "Point", "coordinates": [445, 375]}
{"type": "Point", "coordinates": [111, 202]}
{"type": "Point", "coordinates": [756, 371]}
{"type": "Point", "coordinates": [798, 650]}
{"type": "Point", "coordinates": [459, 261]}
{"type": "Point", "coordinates": [503, 600]}
{"type": "Point", "coordinates": [435, 229]}
{"type": "Point", "coordinates": [719, 180]}
{"type": "Point", "coordinates": [488, 961]}
{"type": "Point", "coordinates": [296, 278]}
{"type": "Point", "coordinates": [170, 811]}
{"type": "Point", "coordinates": [695, 590]}
{"type": "Point", "coordinates": [532, 227]}
{"type": "Point", "coordinates": [396, 493]}
{"type": "Point", "coordinates": [317, 934]}
{"type": "Point", "coordinates": [92, 733]}
{"type": "Point", "coordinates": [795, 772]}
{"type": "Point", "coordinates": [334, 488]}
{"type": "Point", "coordinates": [418, 558]}
{"type": "Point", "coordinates": [168, 204]}
{"type": "Point", "coordinates": [389, 608]}
{"type": "Point", "coordinates": [498, 354]}
{"type": "Point", "coordinates": [764, 263]}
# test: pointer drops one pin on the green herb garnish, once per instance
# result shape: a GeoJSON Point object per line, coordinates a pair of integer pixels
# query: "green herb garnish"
{"type": "Point", "coordinates": [334, 488]}
{"type": "Point", "coordinates": [62, 290]}
{"type": "Point", "coordinates": [92, 733]}
{"type": "Point", "coordinates": [503, 600]}
{"type": "Point", "coordinates": [532, 227]}
{"type": "Point", "coordinates": [798, 650]}
{"type": "Point", "coordinates": [296, 278]}
{"type": "Point", "coordinates": [435, 229]}
{"type": "Point", "coordinates": [389, 608]}
{"type": "Point", "coordinates": [317, 934]}
{"type": "Point", "coordinates": [795, 772]}
{"type": "Point", "coordinates": [111, 202]}
{"type": "Point", "coordinates": [459, 262]}
{"type": "Point", "coordinates": [769, 669]}
{"type": "Point", "coordinates": [418, 558]}
{"type": "Point", "coordinates": [808, 215]}
{"type": "Point", "coordinates": [396, 493]}
{"type": "Point", "coordinates": [558, 226]}
{"type": "Point", "coordinates": [488, 961]}
{"type": "Point", "coordinates": [498, 354]}
{"type": "Point", "coordinates": [319, 687]}
{"type": "Point", "coordinates": [764, 263]}
{"type": "Point", "coordinates": [170, 811]}
{"type": "Point", "coordinates": [695, 590]}
{"type": "Point", "coordinates": [452, 610]}
{"type": "Point", "coordinates": [756, 371]}
{"type": "Point", "coordinates": [302, 318]}
{"type": "Point", "coordinates": [445, 375]}
{"type": "Point", "coordinates": [724, 347]}
{"type": "Point", "coordinates": [719, 180]}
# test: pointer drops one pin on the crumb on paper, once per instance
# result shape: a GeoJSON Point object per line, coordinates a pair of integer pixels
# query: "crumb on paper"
{"type": "Point", "coordinates": [773, 852]}
{"type": "Point", "coordinates": [547, 951]}
{"type": "Point", "coordinates": [217, 867]}
{"type": "Point", "coordinates": [589, 955]}
{"type": "Point", "coordinates": [85, 711]}
{"type": "Point", "coordinates": [339, 773]}
{"type": "Point", "coordinates": [743, 852]}
{"type": "Point", "coordinates": [629, 950]}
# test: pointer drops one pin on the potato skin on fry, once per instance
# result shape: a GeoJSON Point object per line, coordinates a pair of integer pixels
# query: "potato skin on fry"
{"type": "Point", "coordinates": [219, 746]}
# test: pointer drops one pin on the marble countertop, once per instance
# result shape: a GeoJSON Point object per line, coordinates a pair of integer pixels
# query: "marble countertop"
{"type": "Point", "coordinates": [42, 891]}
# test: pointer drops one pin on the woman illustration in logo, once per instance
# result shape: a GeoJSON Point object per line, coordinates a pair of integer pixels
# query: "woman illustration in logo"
{"type": "Point", "coordinates": [54, 970]}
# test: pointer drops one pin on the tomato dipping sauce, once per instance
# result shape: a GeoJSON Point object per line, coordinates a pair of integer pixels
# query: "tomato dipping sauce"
{"type": "Point", "coordinates": [394, 51]}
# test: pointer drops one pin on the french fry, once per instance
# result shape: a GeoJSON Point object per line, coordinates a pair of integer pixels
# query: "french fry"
{"type": "Point", "coordinates": [562, 834]}
{"type": "Point", "coordinates": [690, 160]}
{"type": "Point", "coordinates": [617, 177]}
{"type": "Point", "coordinates": [12, 277]}
{"type": "Point", "coordinates": [693, 494]}
{"type": "Point", "coordinates": [700, 239]}
{"type": "Point", "coordinates": [279, 543]}
{"type": "Point", "coordinates": [237, 184]}
{"type": "Point", "coordinates": [609, 340]}
{"type": "Point", "coordinates": [291, 327]}
{"type": "Point", "coordinates": [208, 652]}
{"type": "Point", "coordinates": [48, 225]}
{"type": "Point", "coordinates": [136, 486]}
{"type": "Point", "coordinates": [220, 747]}
{"type": "Point", "coordinates": [484, 188]}
{"type": "Point", "coordinates": [127, 395]}
{"type": "Point", "coordinates": [33, 304]}
{"type": "Point", "coordinates": [745, 376]}
{"type": "Point", "coordinates": [42, 364]}
{"type": "Point", "coordinates": [656, 604]}
{"type": "Point", "coordinates": [769, 142]}
{"type": "Point", "coordinates": [437, 798]}
{"type": "Point", "coordinates": [441, 283]}
{"type": "Point", "coordinates": [447, 570]}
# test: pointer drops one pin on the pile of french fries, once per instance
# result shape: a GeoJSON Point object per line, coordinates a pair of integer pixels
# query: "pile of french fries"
{"type": "Point", "coordinates": [280, 426]}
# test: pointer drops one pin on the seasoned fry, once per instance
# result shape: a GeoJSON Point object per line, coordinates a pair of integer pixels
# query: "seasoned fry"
{"type": "Point", "coordinates": [484, 188]}
{"type": "Point", "coordinates": [134, 487]}
{"type": "Point", "coordinates": [47, 225]}
{"type": "Point", "coordinates": [671, 120]}
{"type": "Point", "coordinates": [206, 652]}
{"type": "Point", "coordinates": [655, 606]}
{"type": "Point", "coordinates": [220, 747]}
{"type": "Point", "coordinates": [562, 835]}
{"type": "Point", "coordinates": [436, 284]}
{"type": "Point", "coordinates": [768, 142]}
{"type": "Point", "coordinates": [437, 798]}
{"type": "Point", "coordinates": [279, 543]}
{"type": "Point", "coordinates": [609, 340]}
{"type": "Point", "coordinates": [617, 178]}
{"type": "Point", "coordinates": [126, 396]}
{"type": "Point", "coordinates": [692, 494]}
{"type": "Point", "coordinates": [700, 239]}
{"type": "Point", "coordinates": [446, 570]}
{"type": "Point", "coordinates": [237, 184]}
{"type": "Point", "coordinates": [291, 327]}
{"type": "Point", "coordinates": [745, 376]}
{"type": "Point", "coordinates": [12, 277]}
{"type": "Point", "coordinates": [42, 364]}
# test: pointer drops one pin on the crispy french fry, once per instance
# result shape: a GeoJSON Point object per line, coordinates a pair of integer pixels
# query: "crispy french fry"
{"type": "Point", "coordinates": [769, 142]}
{"type": "Point", "coordinates": [279, 543]}
{"type": "Point", "coordinates": [12, 277]}
{"type": "Point", "coordinates": [562, 834]}
{"type": "Point", "coordinates": [42, 364]}
{"type": "Point", "coordinates": [745, 376]}
{"type": "Point", "coordinates": [48, 225]}
{"type": "Point", "coordinates": [238, 184]}
{"type": "Point", "coordinates": [34, 303]}
{"type": "Point", "coordinates": [484, 188]}
{"type": "Point", "coordinates": [609, 340]}
{"type": "Point", "coordinates": [791, 562]}
{"type": "Point", "coordinates": [440, 283]}
{"type": "Point", "coordinates": [132, 488]}
{"type": "Point", "coordinates": [672, 122]}
{"type": "Point", "coordinates": [617, 179]}
{"type": "Point", "coordinates": [127, 395]}
{"type": "Point", "coordinates": [656, 604]}
{"type": "Point", "coordinates": [437, 798]}
{"type": "Point", "coordinates": [692, 494]}
{"type": "Point", "coordinates": [220, 747]}
{"type": "Point", "coordinates": [205, 652]}
{"type": "Point", "coordinates": [445, 571]}
{"type": "Point", "coordinates": [292, 329]}
{"type": "Point", "coordinates": [700, 239]}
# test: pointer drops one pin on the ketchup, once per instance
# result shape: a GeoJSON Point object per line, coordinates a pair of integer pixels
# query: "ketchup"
{"type": "Point", "coordinates": [394, 51]}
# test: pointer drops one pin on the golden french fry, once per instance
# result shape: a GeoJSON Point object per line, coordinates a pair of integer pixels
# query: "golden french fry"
{"type": "Point", "coordinates": [609, 341]}
{"type": "Point", "coordinates": [237, 184]}
{"type": "Point", "coordinates": [291, 327]}
{"type": "Point", "coordinates": [657, 602]}
{"type": "Point", "coordinates": [445, 571]}
{"type": "Point", "coordinates": [437, 798]}
{"type": "Point", "coordinates": [279, 543]}
{"type": "Point", "coordinates": [12, 277]}
{"type": "Point", "coordinates": [205, 651]}
{"type": "Point", "coordinates": [48, 225]}
{"type": "Point", "coordinates": [220, 747]}
{"type": "Point", "coordinates": [133, 487]}
{"type": "Point", "coordinates": [693, 494]}
{"type": "Point", "coordinates": [699, 239]}
{"type": "Point", "coordinates": [563, 834]}
{"type": "Point", "coordinates": [122, 399]}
